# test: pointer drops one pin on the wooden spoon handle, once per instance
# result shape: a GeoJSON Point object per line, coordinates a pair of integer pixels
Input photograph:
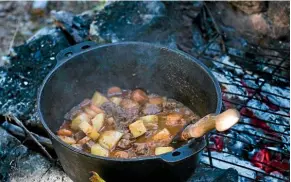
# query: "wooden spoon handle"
{"type": "Point", "coordinates": [220, 122]}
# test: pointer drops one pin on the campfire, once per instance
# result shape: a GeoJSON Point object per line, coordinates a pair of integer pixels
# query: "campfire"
{"type": "Point", "coordinates": [252, 67]}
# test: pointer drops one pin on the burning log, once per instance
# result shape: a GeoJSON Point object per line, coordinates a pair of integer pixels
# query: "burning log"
{"type": "Point", "coordinates": [19, 132]}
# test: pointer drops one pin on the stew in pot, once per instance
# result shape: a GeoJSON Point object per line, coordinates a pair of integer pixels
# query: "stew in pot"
{"type": "Point", "coordinates": [125, 124]}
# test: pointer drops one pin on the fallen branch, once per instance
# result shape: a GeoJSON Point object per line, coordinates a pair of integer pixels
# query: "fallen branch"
{"type": "Point", "coordinates": [216, 27]}
{"type": "Point", "coordinates": [13, 38]}
{"type": "Point", "coordinates": [19, 123]}
{"type": "Point", "coordinates": [19, 132]}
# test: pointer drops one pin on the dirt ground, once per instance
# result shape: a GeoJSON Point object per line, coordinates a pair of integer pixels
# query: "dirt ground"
{"type": "Point", "coordinates": [19, 20]}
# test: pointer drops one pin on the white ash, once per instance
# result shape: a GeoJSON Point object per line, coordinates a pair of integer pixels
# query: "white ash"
{"type": "Point", "coordinates": [231, 88]}
{"type": "Point", "coordinates": [235, 52]}
{"type": "Point", "coordinates": [5, 60]}
{"type": "Point", "coordinates": [14, 109]}
{"type": "Point", "coordinates": [242, 136]}
{"type": "Point", "coordinates": [272, 179]}
{"type": "Point", "coordinates": [2, 77]}
{"type": "Point", "coordinates": [213, 49]}
{"type": "Point", "coordinates": [250, 81]}
{"type": "Point", "coordinates": [285, 92]}
{"type": "Point", "coordinates": [252, 131]}
{"type": "Point", "coordinates": [232, 159]}
{"type": "Point", "coordinates": [278, 119]}
{"type": "Point", "coordinates": [225, 60]}
{"type": "Point", "coordinates": [266, 115]}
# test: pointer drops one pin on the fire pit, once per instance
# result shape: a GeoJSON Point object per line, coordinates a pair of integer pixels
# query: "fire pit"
{"type": "Point", "coordinates": [254, 79]}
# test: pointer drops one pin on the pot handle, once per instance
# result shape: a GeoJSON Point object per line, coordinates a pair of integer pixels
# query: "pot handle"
{"type": "Point", "coordinates": [193, 147]}
{"type": "Point", "coordinates": [70, 51]}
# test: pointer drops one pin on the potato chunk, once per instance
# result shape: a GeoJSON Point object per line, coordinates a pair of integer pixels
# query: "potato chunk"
{"type": "Point", "coordinates": [68, 140]}
{"type": "Point", "coordinates": [99, 150]}
{"type": "Point", "coordinates": [98, 99]}
{"type": "Point", "coordinates": [150, 119]}
{"type": "Point", "coordinates": [162, 150]}
{"type": "Point", "coordinates": [85, 127]}
{"type": "Point", "coordinates": [116, 100]}
{"type": "Point", "coordinates": [98, 121]}
{"type": "Point", "coordinates": [79, 119]}
{"type": "Point", "coordinates": [94, 135]}
{"type": "Point", "coordinates": [164, 134]}
{"type": "Point", "coordinates": [91, 113]}
{"type": "Point", "coordinates": [137, 128]}
{"type": "Point", "coordinates": [109, 139]}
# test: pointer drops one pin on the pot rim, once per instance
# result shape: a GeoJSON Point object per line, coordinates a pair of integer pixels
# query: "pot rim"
{"type": "Point", "coordinates": [65, 60]}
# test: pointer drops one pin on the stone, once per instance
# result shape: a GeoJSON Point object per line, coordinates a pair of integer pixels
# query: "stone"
{"type": "Point", "coordinates": [127, 20]}
{"type": "Point", "coordinates": [204, 173]}
{"type": "Point", "coordinates": [157, 22]}
{"type": "Point", "coordinates": [261, 28]}
{"type": "Point", "coordinates": [250, 7]}
{"type": "Point", "coordinates": [29, 64]}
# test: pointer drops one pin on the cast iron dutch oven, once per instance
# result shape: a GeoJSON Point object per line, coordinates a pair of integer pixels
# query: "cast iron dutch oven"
{"type": "Point", "coordinates": [86, 67]}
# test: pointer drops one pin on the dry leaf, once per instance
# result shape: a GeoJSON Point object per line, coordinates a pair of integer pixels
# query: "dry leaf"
{"type": "Point", "coordinates": [95, 177]}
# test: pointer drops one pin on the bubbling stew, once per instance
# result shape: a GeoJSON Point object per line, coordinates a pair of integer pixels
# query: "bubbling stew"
{"type": "Point", "coordinates": [125, 124]}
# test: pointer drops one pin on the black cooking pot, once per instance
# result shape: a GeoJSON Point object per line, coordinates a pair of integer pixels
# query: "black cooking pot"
{"type": "Point", "coordinates": [86, 67]}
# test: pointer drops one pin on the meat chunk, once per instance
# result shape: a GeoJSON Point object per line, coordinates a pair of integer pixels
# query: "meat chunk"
{"type": "Point", "coordinates": [124, 144]}
{"type": "Point", "coordinates": [170, 104]}
{"type": "Point", "coordinates": [150, 133]}
{"type": "Point", "coordinates": [121, 154]}
{"type": "Point", "coordinates": [174, 119]}
{"type": "Point", "coordinates": [65, 132]}
{"type": "Point", "coordinates": [156, 100]}
{"type": "Point", "coordinates": [139, 96]}
{"type": "Point", "coordinates": [131, 115]}
{"type": "Point", "coordinates": [79, 135]}
{"type": "Point", "coordinates": [131, 111]}
{"type": "Point", "coordinates": [127, 135]}
{"type": "Point", "coordinates": [68, 140]}
{"type": "Point", "coordinates": [114, 91]}
{"type": "Point", "coordinates": [141, 148]}
{"type": "Point", "coordinates": [84, 140]}
{"type": "Point", "coordinates": [111, 123]}
{"type": "Point", "coordinates": [160, 143]}
{"type": "Point", "coordinates": [77, 110]}
{"type": "Point", "coordinates": [150, 109]}
{"type": "Point", "coordinates": [128, 103]}
{"type": "Point", "coordinates": [116, 112]}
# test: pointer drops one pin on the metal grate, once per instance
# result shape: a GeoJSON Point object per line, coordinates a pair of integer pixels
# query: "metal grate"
{"type": "Point", "coordinates": [245, 77]}
{"type": "Point", "coordinates": [255, 80]}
